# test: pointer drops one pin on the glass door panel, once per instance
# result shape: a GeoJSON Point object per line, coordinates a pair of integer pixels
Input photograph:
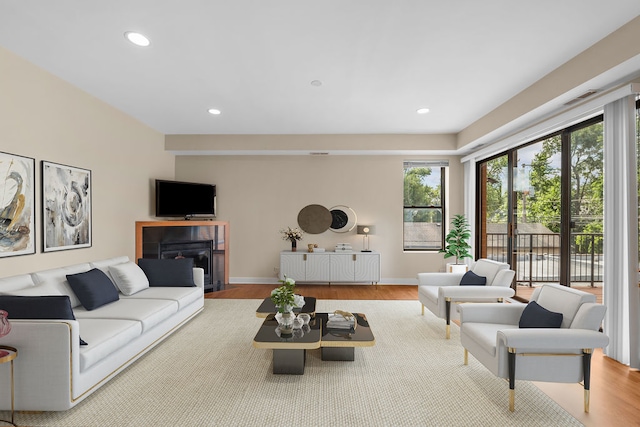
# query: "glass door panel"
{"type": "Point", "coordinates": [536, 175]}
{"type": "Point", "coordinates": [587, 207]}
{"type": "Point", "coordinates": [493, 210]}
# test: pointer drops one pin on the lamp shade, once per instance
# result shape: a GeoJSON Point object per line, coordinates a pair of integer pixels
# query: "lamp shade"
{"type": "Point", "coordinates": [366, 229]}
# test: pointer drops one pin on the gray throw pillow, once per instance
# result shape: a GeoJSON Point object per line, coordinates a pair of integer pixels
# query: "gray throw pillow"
{"type": "Point", "coordinates": [38, 307]}
{"type": "Point", "coordinates": [93, 288]}
{"type": "Point", "coordinates": [536, 316]}
{"type": "Point", "coordinates": [472, 279]}
{"type": "Point", "coordinates": [168, 272]}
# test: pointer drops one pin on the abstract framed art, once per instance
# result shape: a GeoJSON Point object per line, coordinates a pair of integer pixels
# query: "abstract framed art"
{"type": "Point", "coordinates": [17, 205]}
{"type": "Point", "coordinates": [66, 207]}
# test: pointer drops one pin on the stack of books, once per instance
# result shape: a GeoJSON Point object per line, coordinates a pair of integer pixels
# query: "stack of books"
{"type": "Point", "coordinates": [341, 320]}
{"type": "Point", "coordinates": [343, 247]}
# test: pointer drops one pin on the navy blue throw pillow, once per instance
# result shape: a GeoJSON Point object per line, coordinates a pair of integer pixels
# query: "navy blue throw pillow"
{"type": "Point", "coordinates": [168, 272]}
{"type": "Point", "coordinates": [44, 307]}
{"type": "Point", "coordinates": [472, 279]}
{"type": "Point", "coordinates": [536, 316]}
{"type": "Point", "coordinates": [93, 288]}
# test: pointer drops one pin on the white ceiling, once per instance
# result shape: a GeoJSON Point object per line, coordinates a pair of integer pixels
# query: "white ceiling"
{"type": "Point", "coordinates": [379, 61]}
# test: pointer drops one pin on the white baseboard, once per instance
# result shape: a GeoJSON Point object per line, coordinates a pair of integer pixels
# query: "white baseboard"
{"type": "Point", "coordinates": [274, 281]}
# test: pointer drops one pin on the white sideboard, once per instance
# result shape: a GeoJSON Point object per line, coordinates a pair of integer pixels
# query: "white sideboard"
{"type": "Point", "coordinates": [331, 266]}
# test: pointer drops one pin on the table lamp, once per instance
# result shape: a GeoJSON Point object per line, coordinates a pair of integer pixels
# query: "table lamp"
{"type": "Point", "coordinates": [365, 230]}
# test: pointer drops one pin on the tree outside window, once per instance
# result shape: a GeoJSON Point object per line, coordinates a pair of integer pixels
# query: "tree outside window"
{"type": "Point", "coordinates": [423, 205]}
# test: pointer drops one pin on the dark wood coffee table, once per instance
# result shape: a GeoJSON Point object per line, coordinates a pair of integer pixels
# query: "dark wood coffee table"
{"type": "Point", "coordinates": [338, 344]}
{"type": "Point", "coordinates": [289, 352]}
{"type": "Point", "coordinates": [268, 307]}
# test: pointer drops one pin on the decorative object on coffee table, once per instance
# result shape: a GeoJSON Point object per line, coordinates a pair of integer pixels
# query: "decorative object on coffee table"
{"type": "Point", "coordinates": [293, 235]}
{"type": "Point", "coordinates": [285, 301]}
{"type": "Point", "coordinates": [305, 317]}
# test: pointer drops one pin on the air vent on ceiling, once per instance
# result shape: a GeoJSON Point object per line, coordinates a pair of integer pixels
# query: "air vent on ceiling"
{"type": "Point", "coordinates": [319, 153]}
{"type": "Point", "coordinates": [581, 97]}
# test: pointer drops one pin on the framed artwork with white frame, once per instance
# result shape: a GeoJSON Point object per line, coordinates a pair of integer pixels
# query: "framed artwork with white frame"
{"type": "Point", "coordinates": [17, 205]}
{"type": "Point", "coordinates": [66, 207]}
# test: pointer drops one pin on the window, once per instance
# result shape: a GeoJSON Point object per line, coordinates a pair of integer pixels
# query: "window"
{"type": "Point", "coordinates": [424, 189]}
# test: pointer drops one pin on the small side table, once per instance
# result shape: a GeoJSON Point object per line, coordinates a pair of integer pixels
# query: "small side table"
{"type": "Point", "coordinates": [8, 354]}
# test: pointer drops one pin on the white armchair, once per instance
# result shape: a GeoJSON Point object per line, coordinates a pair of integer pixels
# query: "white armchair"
{"type": "Point", "coordinates": [436, 291]}
{"type": "Point", "coordinates": [491, 333]}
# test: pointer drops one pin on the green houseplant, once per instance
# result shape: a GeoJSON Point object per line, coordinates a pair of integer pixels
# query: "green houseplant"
{"type": "Point", "coordinates": [285, 301]}
{"type": "Point", "coordinates": [457, 240]}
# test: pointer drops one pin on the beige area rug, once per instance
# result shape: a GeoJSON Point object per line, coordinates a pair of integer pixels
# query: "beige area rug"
{"type": "Point", "coordinates": [209, 374]}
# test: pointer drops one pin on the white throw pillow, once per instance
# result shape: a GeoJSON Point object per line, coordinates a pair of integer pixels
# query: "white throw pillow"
{"type": "Point", "coordinates": [129, 278]}
{"type": "Point", "coordinates": [46, 288]}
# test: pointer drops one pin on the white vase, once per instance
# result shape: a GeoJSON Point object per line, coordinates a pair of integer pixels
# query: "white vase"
{"type": "Point", "coordinates": [285, 322]}
{"type": "Point", "coordinates": [457, 268]}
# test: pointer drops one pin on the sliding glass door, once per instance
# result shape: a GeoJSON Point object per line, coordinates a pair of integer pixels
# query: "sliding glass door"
{"type": "Point", "coordinates": [540, 208]}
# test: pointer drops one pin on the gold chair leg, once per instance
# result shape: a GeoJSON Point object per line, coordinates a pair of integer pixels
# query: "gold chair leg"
{"type": "Point", "coordinates": [586, 401]}
{"type": "Point", "coordinates": [423, 309]}
{"type": "Point", "coordinates": [448, 331]}
{"type": "Point", "coordinates": [512, 400]}
{"type": "Point", "coordinates": [466, 356]}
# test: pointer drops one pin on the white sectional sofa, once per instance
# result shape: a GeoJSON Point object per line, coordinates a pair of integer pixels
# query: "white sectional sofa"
{"type": "Point", "coordinates": [53, 372]}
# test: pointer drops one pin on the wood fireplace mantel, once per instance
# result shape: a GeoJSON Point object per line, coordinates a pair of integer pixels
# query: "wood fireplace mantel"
{"type": "Point", "coordinates": [224, 225]}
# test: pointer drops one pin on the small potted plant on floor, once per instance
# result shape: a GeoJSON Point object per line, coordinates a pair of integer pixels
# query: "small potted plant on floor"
{"type": "Point", "coordinates": [457, 244]}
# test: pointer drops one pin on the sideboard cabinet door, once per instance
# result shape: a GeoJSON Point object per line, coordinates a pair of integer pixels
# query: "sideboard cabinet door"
{"type": "Point", "coordinates": [367, 267]}
{"type": "Point", "coordinates": [293, 265]}
{"type": "Point", "coordinates": [342, 267]}
{"type": "Point", "coordinates": [318, 267]}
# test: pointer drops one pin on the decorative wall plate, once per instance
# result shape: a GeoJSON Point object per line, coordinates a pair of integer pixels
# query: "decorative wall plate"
{"type": "Point", "coordinates": [343, 219]}
{"type": "Point", "coordinates": [314, 219]}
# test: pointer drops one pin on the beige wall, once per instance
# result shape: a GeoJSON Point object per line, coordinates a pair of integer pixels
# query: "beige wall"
{"type": "Point", "coordinates": [259, 195]}
{"type": "Point", "coordinates": [304, 144]}
{"type": "Point", "coordinates": [45, 118]}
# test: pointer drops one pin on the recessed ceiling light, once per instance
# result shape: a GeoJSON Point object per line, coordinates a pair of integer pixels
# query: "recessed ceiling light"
{"type": "Point", "coordinates": [137, 38]}
{"type": "Point", "coordinates": [214, 111]}
{"type": "Point", "coordinates": [422, 110]}
{"type": "Point", "coordinates": [316, 83]}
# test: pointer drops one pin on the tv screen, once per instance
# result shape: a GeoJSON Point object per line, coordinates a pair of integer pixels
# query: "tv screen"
{"type": "Point", "coordinates": [185, 199]}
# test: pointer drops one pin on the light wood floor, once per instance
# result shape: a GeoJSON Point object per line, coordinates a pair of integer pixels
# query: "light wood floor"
{"type": "Point", "coordinates": [615, 388]}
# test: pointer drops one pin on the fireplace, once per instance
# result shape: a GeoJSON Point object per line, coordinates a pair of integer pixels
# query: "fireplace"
{"type": "Point", "coordinates": [205, 244]}
{"type": "Point", "coordinates": [200, 252]}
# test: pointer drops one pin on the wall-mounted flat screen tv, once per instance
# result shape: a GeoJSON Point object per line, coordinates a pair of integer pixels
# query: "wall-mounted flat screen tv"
{"type": "Point", "coordinates": [185, 199]}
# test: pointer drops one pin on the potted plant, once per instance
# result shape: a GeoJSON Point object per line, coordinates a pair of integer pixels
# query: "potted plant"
{"type": "Point", "coordinates": [457, 243]}
{"type": "Point", "coordinates": [285, 301]}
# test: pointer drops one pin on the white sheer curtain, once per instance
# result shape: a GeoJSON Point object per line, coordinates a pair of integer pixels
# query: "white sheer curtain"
{"type": "Point", "coordinates": [469, 168]}
{"type": "Point", "coordinates": [621, 294]}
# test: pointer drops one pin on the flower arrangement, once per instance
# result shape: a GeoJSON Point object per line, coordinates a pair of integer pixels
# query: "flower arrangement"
{"type": "Point", "coordinates": [284, 298]}
{"type": "Point", "coordinates": [292, 234]}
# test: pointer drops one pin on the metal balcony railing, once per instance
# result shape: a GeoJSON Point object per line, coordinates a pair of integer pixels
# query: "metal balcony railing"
{"type": "Point", "coordinates": [538, 256]}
